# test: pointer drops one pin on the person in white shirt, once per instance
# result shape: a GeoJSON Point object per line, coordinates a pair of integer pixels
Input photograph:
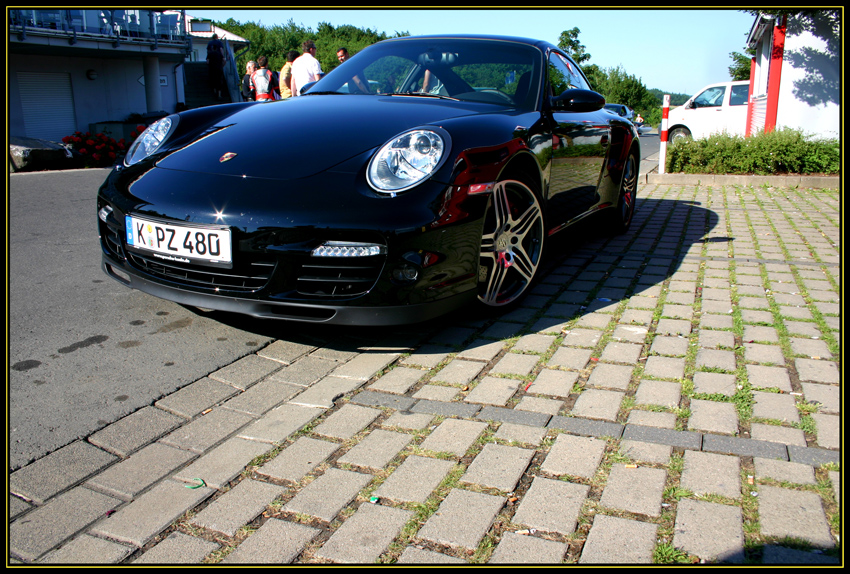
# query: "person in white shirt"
{"type": "Point", "coordinates": [305, 68]}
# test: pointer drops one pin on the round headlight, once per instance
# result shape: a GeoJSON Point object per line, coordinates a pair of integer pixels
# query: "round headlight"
{"type": "Point", "coordinates": [407, 160]}
{"type": "Point", "coordinates": [150, 140]}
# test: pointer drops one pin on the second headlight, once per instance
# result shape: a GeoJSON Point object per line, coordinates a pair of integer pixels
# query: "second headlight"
{"type": "Point", "coordinates": [407, 160]}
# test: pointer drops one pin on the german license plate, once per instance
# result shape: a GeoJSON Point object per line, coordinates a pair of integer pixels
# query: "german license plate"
{"type": "Point", "coordinates": [179, 243]}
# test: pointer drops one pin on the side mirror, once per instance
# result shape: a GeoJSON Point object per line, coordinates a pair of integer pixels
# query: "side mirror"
{"type": "Point", "coordinates": [576, 100]}
{"type": "Point", "coordinates": [691, 105]}
{"type": "Point", "coordinates": [306, 88]}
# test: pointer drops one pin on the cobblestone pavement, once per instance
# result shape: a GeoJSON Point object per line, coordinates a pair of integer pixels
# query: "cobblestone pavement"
{"type": "Point", "coordinates": [671, 395]}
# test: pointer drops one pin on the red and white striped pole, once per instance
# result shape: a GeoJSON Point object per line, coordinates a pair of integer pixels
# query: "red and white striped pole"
{"type": "Point", "coordinates": [662, 156]}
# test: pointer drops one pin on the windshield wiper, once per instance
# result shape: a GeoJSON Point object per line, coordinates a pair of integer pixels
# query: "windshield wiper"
{"type": "Point", "coordinates": [422, 95]}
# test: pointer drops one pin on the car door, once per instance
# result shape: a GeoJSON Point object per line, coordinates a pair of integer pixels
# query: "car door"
{"type": "Point", "coordinates": [579, 146]}
{"type": "Point", "coordinates": [736, 115]}
{"type": "Point", "coordinates": [706, 111]}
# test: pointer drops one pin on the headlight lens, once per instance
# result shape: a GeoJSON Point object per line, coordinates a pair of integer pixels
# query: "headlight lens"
{"type": "Point", "coordinates": [150, 140]}
{"type": "Point", "coordinates": [407, 160]}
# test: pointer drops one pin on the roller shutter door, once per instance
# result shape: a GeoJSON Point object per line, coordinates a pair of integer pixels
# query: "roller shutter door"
{"type": "Point", "coordinates": [48, 104]}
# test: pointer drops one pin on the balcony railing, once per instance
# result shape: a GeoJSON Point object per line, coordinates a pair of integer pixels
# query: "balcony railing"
{"type": "Point", "coordinates": [117, 25]}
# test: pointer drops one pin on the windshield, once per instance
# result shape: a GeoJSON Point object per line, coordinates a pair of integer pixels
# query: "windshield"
{"type": "Point", "coordinates": [495, 72]}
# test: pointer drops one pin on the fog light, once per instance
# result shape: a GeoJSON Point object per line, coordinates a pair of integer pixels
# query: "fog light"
{"type": "Point", "coordinates": [406, 273]}
{"type": "Point", "coordinates": [348, 249]}
{"type": "Point", "coordinates": [104, 213]}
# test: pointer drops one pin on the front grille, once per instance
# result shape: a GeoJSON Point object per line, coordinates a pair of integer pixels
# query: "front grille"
{"type": "Point", "coordinates": [339, 277]}
{"type": "Point", "coordinates": [249, 277]}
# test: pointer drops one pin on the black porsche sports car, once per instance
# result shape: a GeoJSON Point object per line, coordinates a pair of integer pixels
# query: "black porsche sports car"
{"type": "Point", "coordinates": [422, 175]}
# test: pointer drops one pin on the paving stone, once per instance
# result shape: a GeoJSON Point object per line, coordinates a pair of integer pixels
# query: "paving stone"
{"type": "Point", "coordinates": [678, 311]}
{"type": "Point", "coordinates": [710, 321]}
{"type": "Point", "coordinates": [459, 372]}
{"type": "Point", "coordinates": [262, 397]}
{"type": "Point", "coordinates": [646, 452]}
{"type": "Point", "coordinates": [632, 316]}
{"type": "Point", "coordinates": [246, 371]}
{"type": "Point", "coordinates": [800, 328]}
{"type": "Point", "coordinates": [598, 404]}
{"type": "Point", "coordinates": [715, 384]}
{"type": "Point", "coordinates": [347, 421]}
{"type": "Point", "coordinates": [630, 333]}
{"type": "Point", "coordinates": [88, 550]}
{"type": "Point", "coordinates": [366, 535]}
{"type": "Point", "coordinates": [498, 466]}
{"type": "Point", "coordinates": [453, 436]}
{"type": "Point", "coordinates": [42, 529]}
{"type": "Point", "coordinates": [673, 327]}
{"type": "Point", "coordinates": [326, 496]}
{"type": "Point", "coordinates": [178, 548]}
{"type": "Point", "coordinates": [365, 366]}
{"type": "Point", "coordinates": [594, 320]}
{"type": "Point", "coordinates": [672, 346]}
{"type": "Point", "coordinates": [129, 478]}
{"type": "Point", "coordinates": [574, 456]}
{"type": "Point", "coordinates": [814, 371]}
{"type": "Point", "coordinates": [752, 316]}
{"type": "Point", "coordinates": [586, 427]}
{"type": "Point", "coordinates": [763, 377]}
{"type": "Point", "coordinates": [59, 470]}
{"type": "Point", "coordinates": [534, 343]}
{"type": "Point", "coordinates": [637, 490]}
{"type": "Point", "coordinates": [286, 352]}
{"type": "Point", "coordinates": [409, 421]}
{"type": "Point", "coordinates": [662, 393]}
{"type": "Point", "coordinates": [553, 383]}
{"type": "Point", "coordinates": [783, 556]}
{"type": "Point", "coordinates": [414, 555]}
{"type": "Point", "coordinates": [611, 376]}
{"type": "Point", "coordinates": [520, 434]}
{"type": "Point", "coordinates": [223, 463]}
{"type": "Point", "coordinates": [551, 505]}
{"type": "Point", "coordinates": [515, 364]}
{"type": "Point", "coordinates": [453, 409]}
{"type": "Point", "coordinates": [766, 354]}
{"type": "Point", "coordinates": [151, 513]}
{"type": "Point", "coordinates": [462, 519]}
{"type": "Point", "coordinates": [504, 415]}
{"type": "Point", "coordinates": [826, 397]}
{"type": "Point", "coordinates": [614, 540]}
{"type": "Point", "coordinates": [775, 406]}
{"type": "Point", "coordinates": [398, 380]}
{"type": "Point", "coordinates": [376, 399]}
{"type": "Point", "coordinates": [621, 353]}
{"type": "Point", "coordinates": [743, 447]}
{"type": "Point", "coordinates": [205, 432]}
{"type": "Point", "coordinates": [714, 532]}
{"type": "Point", "coordinates": [428, 356]}
{"type": "Point", "coordinates": [518, 549]}
{"type": "Point", "coordinates": [773, 433]}
{"type": "Point", "coordinates": [716, 339]}
{"type": "Point", "coordinates": [442, 393]}
{"type": "Point", "coordinates": [276, 542]}
{"type": "Point", "coordinates": [761, 334]}
{"type": "Point", "coordinates": [707, 473]}
{"type": "Point", "coordinates": [793, 513]}
{"type": "Point", "coordinates": [794, 472]}
{"type": "Point", "coordinates": [415, 479]}
{"type": "Point", "coordinates": [238, 506]}
{"type": "Point", "coordinates": [716, 359]}
{"type": "Point", "coordinates": [376, 450]}
{"type": "Point", "coordinates": [305, 371]}
{"type": "Point", "coordinates": [197, 397]}
{"type": "Point", "coordinates": [539, 405]}
{"type": "Point", "coordinates": [829, 430]}
{"type": "Point", "coordinates": [493, 391]}
{"type": "Point", "coordinates": [326, 392]}
{"type": "Point", "coordinates": [279, 423]}
{"type": "Point", "coordinates": [711, 416]}
{"type": "Point", "coordinates": [587, 338]}
{"type": "Point", "coordinates": [298, 459]}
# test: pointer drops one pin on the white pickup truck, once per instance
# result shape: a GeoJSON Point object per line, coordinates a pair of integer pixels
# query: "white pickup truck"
{"type": "Point", "coordinates": [716, 108]}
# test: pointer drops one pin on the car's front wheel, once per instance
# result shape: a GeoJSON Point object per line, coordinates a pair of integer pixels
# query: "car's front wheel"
{"type": "Point", "coordinates": [620, 218]}
{"type": "Point", "coordinates": [511, 244]}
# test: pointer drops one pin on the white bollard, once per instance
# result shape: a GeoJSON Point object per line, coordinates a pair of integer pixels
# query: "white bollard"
{"type": "Point", "coordinates": [662, 156]}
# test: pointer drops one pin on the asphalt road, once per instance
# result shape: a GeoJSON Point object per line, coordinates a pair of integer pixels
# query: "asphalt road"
{"type": "Point", "coordinates": [83, 350]}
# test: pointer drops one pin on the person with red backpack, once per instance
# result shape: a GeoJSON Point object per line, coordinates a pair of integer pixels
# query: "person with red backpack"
{"type": "Point", "coordinates": [262, 81]}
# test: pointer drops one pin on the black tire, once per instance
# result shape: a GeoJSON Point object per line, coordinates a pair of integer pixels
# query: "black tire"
{"type": "Point", "coordinates": [620, 217]}
{"type": "Point", "coordinates": [511, 244]}
{"type": "Point", "coordinates": [679, 134]}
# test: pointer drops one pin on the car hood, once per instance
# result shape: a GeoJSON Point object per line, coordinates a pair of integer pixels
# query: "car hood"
{"type": "Point", "coordinates": [300, 137]}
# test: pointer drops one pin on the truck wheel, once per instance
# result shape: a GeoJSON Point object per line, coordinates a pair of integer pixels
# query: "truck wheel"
{"type": "Point", "coordinates": [679, 134]}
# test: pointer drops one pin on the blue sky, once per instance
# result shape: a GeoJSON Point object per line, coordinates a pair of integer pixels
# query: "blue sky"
{"type": "Point", "coordinates": [677, 51]}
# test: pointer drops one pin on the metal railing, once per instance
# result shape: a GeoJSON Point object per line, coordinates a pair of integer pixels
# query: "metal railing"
{"type": "Point", "coordinates": [115, 24]}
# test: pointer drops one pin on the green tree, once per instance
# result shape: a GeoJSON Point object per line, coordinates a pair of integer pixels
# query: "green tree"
{"type": "Point", "coordinates": [741, 64]}
{"type": "Point", "coordinates": [569, 43]}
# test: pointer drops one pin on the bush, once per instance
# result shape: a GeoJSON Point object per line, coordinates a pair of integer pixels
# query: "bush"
{"type": "Point", "coordinates": [778, 152]}
{"type": "Point", "coordinates": [99, 150]}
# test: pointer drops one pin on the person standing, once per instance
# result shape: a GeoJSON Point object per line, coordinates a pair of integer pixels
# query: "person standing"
{"type": "Point", "coordinates": [215, 61]}
{"type": "Point", "coordinates": [250, 68]}
{"type": "Point", "coordinates": [305, 68]}
{"type": "Point", "coordinates": [262, 81]}
{"type": "Point", "coordinates": [286, 75]}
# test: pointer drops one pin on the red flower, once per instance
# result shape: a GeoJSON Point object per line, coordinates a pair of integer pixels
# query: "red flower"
{"type": "Point", "coordinates": [140, 128]}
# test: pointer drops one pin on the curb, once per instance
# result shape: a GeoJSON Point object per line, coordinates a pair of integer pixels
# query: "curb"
{"type": "Point", "coordinates": [803, 181]}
